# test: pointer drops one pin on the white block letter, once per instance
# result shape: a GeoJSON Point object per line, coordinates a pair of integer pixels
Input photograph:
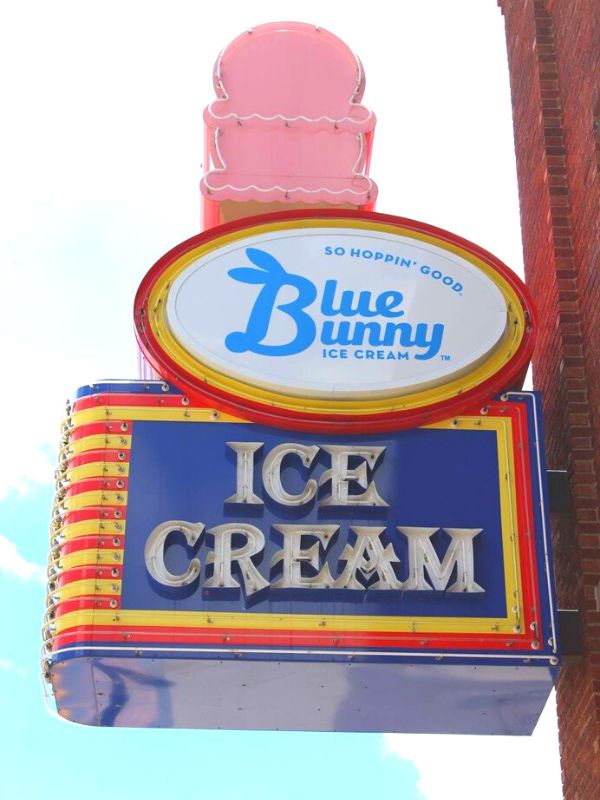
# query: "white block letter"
{"type": "Point", "coordinates": [154, 552]}
{"type": "Point", "coordinates": [369, 557]}
{"type": "Point", "coordinates": [422, 556]}
{"type": "Point", "coordinates": [272, 473]}
{"type": "Point", "coordinates": [293, 556]}
{"type": "Point", "coordinates": [244, 492]}
{"type": "Point", "coordinates": [224, 555]}
{"type": "Point", "coordinates": [341, 475]}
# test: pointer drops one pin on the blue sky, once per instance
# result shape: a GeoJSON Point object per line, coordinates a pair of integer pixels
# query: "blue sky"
{"type": "Point", "coordinates": [100, 164]}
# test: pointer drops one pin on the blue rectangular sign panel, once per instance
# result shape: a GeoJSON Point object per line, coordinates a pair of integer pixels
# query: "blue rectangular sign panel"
{"type": "Point", "coordinates": [190, 536]}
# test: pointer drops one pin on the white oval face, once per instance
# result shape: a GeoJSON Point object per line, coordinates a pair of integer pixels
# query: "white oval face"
{"type": "Point", "coordinates": [336, 312]}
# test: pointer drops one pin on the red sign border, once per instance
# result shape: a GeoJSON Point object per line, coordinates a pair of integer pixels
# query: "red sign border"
{"type": "Point", "coordinates": [509, 376]}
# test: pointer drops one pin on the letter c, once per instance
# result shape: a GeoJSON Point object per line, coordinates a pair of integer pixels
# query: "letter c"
{"type": "Point", "coordinates": [154, 552]}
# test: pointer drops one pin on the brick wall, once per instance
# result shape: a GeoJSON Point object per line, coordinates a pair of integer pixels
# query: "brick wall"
{"type": "Point", "coordinates": [554, 58]}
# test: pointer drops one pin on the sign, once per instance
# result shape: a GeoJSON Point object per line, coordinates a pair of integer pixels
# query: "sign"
{"type": "Point", "coordinates": [326, 516]}
{"type": "Point", "coordinates": [287, 125]}
{"type": "Point", "coordinates": [192, 540]}
{"type": "Point", "coordinates": [360, 321]}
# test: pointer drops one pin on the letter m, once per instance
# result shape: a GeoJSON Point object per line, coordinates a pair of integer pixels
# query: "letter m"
{"type": "Point", "coordinates": [422, 557]}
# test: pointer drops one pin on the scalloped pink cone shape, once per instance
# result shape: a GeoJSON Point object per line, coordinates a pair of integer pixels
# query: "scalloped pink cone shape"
{"type": "Point", "coordinates": [288, 126]}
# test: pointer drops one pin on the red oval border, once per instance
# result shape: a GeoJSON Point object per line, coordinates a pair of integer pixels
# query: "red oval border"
{"type": "Point", "coordinates": [510, 376]}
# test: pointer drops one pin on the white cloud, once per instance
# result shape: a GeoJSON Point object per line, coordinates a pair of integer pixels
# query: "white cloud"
{"type": "Point", "coordinates": [479, 766]}
{"type": "Point", "coordinates": [9, 666]}
{"type": "Point", "coordinates": [13, 562]}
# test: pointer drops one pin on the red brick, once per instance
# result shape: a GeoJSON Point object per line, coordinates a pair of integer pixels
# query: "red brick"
{"type": "Point", "coordinates": [582, 420]}
{"type": "Point", "coordinates": [588, 541]}
{"type": "Point", "coordinates": [587, 515]}
{"type": "Point", "coordinates": [583, 465]}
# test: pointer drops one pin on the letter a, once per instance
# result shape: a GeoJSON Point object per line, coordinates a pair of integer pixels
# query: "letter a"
{"type": "Point", "coordinates": [370, 558]}
{"type": "Point", "coordinates": [422, 556]}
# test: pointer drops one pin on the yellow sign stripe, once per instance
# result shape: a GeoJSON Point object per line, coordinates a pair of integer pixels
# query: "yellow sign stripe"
{"type": "Point", "coordinates": [96, 498]}
{"type": "Point", "coordinates": [90, 557]}
{"type": "Point", "coordinates": [511, 543]}
{"type": "Point", "coordinates": [100, 441]}
{"type": "Point", "coordinates": [276, 622]}
{"type": "Point", "coordinates": [183, 413]}
{"type": "Point", "coordinates": [97, 469]}
{"type": "Point", "coordinates": [88, 588]}
{"type": "Point", "coordinates": [92, 527]}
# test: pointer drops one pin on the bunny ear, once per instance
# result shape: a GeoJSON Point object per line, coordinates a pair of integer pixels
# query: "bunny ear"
{"type": "Point", "coordinates": [263, 260]}
{"type": "Point", "coordinates": [248, 275]}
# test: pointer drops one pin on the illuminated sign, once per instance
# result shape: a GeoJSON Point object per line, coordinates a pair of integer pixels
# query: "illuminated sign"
{"type": "Point", "coordinates": [365, 321]}
{"type": "Point", "coordinates": [190, 534]}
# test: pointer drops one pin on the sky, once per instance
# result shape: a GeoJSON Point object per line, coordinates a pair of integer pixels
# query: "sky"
{"type": "Point", "coordinates": [100, 162]}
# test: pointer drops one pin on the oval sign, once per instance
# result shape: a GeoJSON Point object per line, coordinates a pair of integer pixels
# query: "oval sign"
{"type": "Point", "coordinates": [336, 320]}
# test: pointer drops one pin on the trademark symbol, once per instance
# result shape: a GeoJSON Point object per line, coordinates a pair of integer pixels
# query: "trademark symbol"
{"type": "Point", "coordinates": [445, 358]}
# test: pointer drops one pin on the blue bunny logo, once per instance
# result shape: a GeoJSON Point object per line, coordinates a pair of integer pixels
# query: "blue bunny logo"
{"type": "Point", "coordinates": [268, 273]}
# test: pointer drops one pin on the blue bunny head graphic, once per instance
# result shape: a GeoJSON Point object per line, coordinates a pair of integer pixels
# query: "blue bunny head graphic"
{"type": "Point", "coordinates": [270, 274]}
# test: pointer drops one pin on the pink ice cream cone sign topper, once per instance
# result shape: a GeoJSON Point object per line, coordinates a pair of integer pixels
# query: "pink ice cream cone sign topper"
{"type": "Point", "coordinates": [288, 126]}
